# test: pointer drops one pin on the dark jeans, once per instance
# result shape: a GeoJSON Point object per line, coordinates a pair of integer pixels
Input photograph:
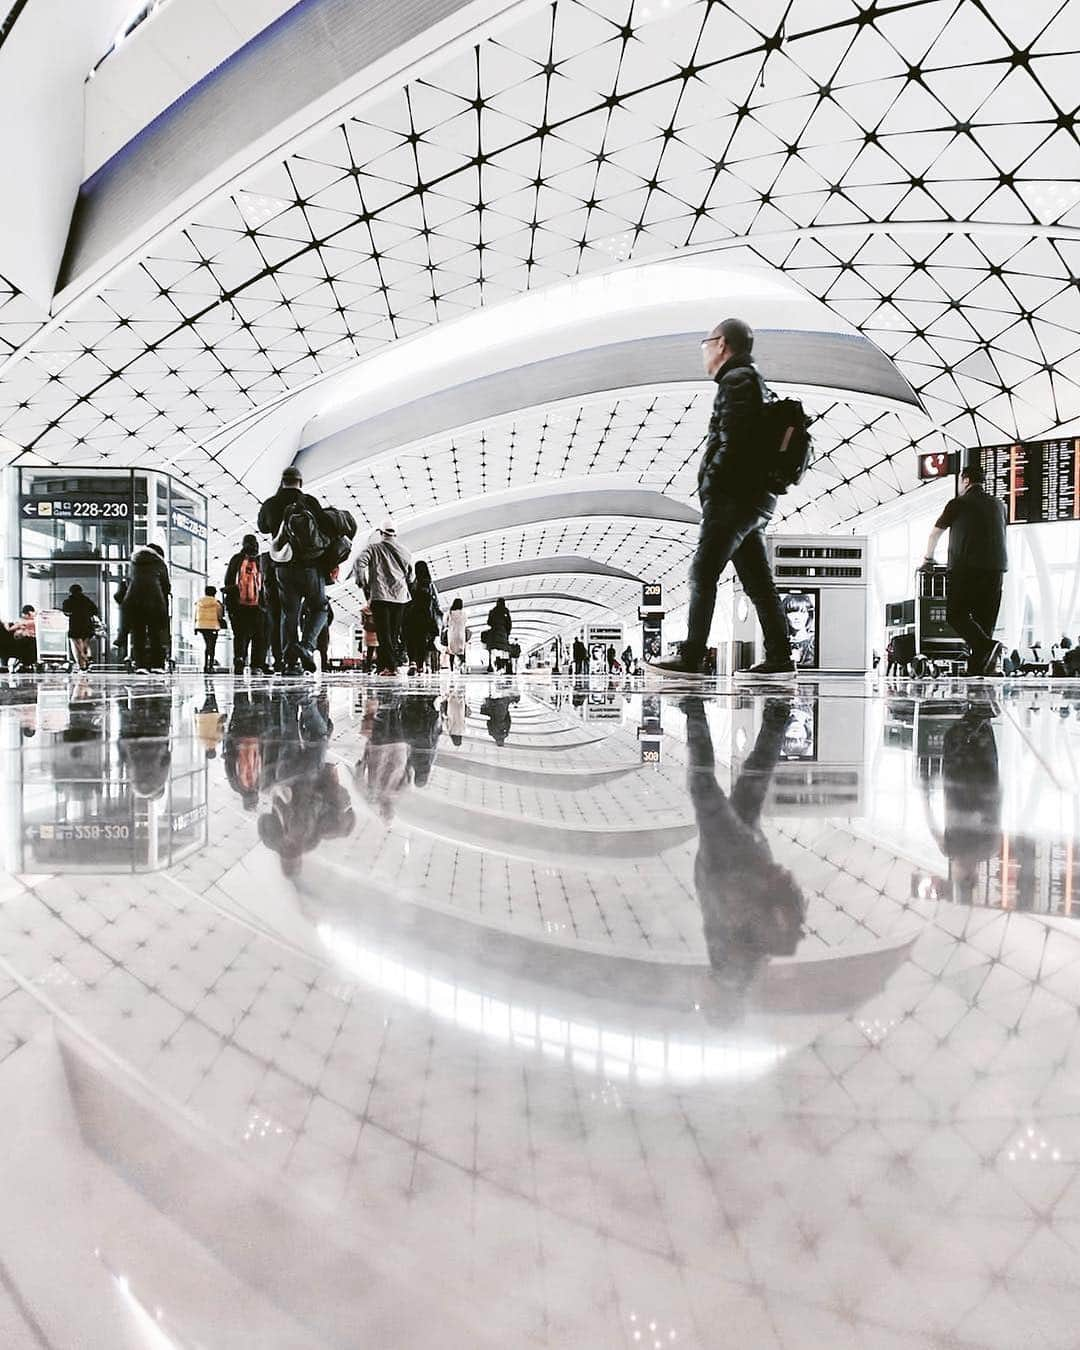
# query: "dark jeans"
{"type": "Point", "coordinates": [733, 531]}
{"type": "Point", "coordinates": [209, 637]}
{"type": "Point", "coordinates": [301, 589]}
{"type": "Point", "coordinates": [419, 648]}
{"type": "Point", "coordinates": [247, 622]}
{"type": "Point", "coordinates": [389, 618]}
{"type": "Point", "coordinates": [148, 629]}
{"type": "Point", "coordinates": [971, 607]}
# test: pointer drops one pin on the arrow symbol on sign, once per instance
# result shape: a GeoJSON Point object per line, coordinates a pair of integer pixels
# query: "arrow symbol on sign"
{"type": "Point", "coordinates": [30, 508]}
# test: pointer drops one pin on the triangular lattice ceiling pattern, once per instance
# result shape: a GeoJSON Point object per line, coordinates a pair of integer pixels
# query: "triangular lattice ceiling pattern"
{"type": "Point", "coordinates": [592, 132]}
{"type": "Point", "coordinates": [651, 437]}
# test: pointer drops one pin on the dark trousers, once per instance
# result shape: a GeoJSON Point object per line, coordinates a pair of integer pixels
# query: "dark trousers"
{"type": "Point", "coordinates": [389, 618]}
{"type": "Point", "coordinates": [302, 589]}
{"type": "Point", "coordinates": [209, 637]}
{"type": "Point", "coordinates": [272, 623]}
{"type": "Point", "coordinates": [247, 626]}
{"type": "Point", "coordinates": [971, 607]}
{"type": "Point", "coordinates": [734, 532]}
{"type": "Point", "coordinates": [147, 629]}
{"type": "Point", "coordinates": [419, 649]}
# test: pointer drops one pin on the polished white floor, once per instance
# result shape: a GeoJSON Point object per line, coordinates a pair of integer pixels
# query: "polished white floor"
{"type": "Point", "coordinates": [519, 1012]}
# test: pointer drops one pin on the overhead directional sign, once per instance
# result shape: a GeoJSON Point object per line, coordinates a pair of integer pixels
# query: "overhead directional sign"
{"type": "Point", "coordinates": [76, 508]}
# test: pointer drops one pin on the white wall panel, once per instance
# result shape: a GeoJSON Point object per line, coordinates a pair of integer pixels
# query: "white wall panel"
{"type": "Point", "coordinates": [41, 131]}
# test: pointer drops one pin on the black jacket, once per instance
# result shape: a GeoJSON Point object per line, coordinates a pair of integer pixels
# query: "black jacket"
{"type": "Point", "coordinates": [499, 625]}
{"type": "Point", "coordinates": [273, 509]}
{"type": "Point", "coordinates": [81, 612]}
{"type": "Point", "coordinates": [149, 588]}
{"type": "Point", "coordinates": [732, 464]}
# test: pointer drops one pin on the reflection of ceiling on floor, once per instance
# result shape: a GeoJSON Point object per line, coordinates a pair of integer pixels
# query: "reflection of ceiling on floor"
{"type": "Point", "coordinates": [841, 149]}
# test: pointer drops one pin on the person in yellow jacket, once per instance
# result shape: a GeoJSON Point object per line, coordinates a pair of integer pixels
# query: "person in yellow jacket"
{"type": "Point", "coordinates": [209, 621]}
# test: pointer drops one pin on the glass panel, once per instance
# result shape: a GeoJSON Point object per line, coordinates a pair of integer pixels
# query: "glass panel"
{"type": "Point", "coordinates": [75, 514]}
{"type": "Point", "coordinates": [142, 507]}
{"type": "Point", "coordinates": [186, 589]}
{"type": "Point", "coordinates": [187, 530]}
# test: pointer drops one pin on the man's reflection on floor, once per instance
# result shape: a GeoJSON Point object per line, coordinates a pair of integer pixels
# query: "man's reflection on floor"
{"type": "Point", "coordinates": [751, 907]}
{"type": "Point", "coordinates": [306, 802]}
{"type": "Point", "coordinates": [403, 732]}
{"type": "Point", "coordinates": [145, 742]}
{"type": "Point", "coordinates": [496, 708]}
{"type": "Point", "coordinates": [971, 788]}
{"type": "Point", "coordinates": [421, 721]}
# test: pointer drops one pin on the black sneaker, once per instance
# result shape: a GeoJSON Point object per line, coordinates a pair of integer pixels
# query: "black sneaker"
{"type": "Point", "coordinates": [676, 667]}
{"type": "Point", "coordinates": [768, 670]}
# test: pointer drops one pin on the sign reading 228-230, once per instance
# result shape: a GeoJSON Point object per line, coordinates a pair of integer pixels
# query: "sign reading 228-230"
{"type": "Point", "coordinates": [76, 508]}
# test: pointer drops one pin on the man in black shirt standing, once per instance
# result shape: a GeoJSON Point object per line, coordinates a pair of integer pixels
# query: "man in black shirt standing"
{"type": "Point", "coordinates": [978, 561]}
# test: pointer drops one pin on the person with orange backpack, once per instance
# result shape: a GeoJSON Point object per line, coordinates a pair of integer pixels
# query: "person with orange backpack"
{"type": "Point", "coordinates": [245, 599]}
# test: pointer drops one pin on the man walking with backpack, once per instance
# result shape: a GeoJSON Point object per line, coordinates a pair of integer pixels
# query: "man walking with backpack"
{"type": "Point", "coordinates": [301, 533]}
{"type": "Point", "coordinates": [740, 473]}
{"type": "Point", "coordinates": [244, 602]}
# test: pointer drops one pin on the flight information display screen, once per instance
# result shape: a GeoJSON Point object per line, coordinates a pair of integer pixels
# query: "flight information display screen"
{"type": "Point", "coordinates": [1039, 481]}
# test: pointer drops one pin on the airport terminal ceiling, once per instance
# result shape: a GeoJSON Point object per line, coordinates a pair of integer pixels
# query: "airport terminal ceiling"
{"type": "Point", "coordinates": [909, 169]}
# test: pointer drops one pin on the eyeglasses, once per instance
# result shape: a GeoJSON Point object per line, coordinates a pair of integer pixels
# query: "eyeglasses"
{"type": "Point", "coordinates": [705, 341]}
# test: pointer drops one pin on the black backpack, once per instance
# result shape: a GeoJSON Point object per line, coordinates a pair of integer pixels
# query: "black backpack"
{"type": "Point", "coordinates": [301, 529]}
{"type": "Point", "coordinates": [788, 444]}
{"type": "Point", "coordinates": [337, 551]}
{"type": "Point", "coordinates": [343, 522]}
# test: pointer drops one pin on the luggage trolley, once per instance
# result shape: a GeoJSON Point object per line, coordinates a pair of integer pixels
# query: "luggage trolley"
{"type": "Point", "coordinates": [53, 645]}
{"type": "Point", "coordinates": [935, 641]}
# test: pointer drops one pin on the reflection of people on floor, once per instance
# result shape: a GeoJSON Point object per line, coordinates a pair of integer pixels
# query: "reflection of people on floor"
{"type": "Point", "coordinates": [496, 708]}
{"type": "Point", "coordinates": [382, 771]}
{"type": "Point", "coordinates": [455, 710]}
{"type": "Point", "coordinates": [145, 746]}
{"type": "Point", "coordinates": [751, 907]}
{"type": "Point", "coordinates": [971, 785]}
{"type": "Point", "coordinates": [421, 723]}
{"type": "Point", "coordinates": [308, 802]}
{"type": "Point", "coordinates": [243, 752]}
{"type": "Point", "coordinates": [210, 722]}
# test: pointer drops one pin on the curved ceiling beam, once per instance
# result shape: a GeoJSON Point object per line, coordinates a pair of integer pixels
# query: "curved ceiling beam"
{"type": "Point", "coordinates": [541, 616]}
{"type": "Point", "coordinates": [834, 361]}
{"type": "Point", "coordinates": [308, 67]}
{"type": "Point", "coordinates": [509, 511]}
{"type": "Point", "coordinates": [534, 567]}
{"type": "Point", "coordinates": [490, 598]}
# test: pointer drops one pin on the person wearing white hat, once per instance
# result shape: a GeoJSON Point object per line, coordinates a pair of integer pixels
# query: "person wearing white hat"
{"type": "Point", "coordinates": [384, 572]}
